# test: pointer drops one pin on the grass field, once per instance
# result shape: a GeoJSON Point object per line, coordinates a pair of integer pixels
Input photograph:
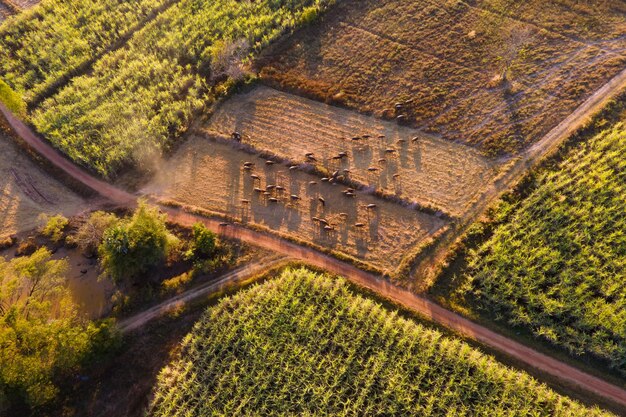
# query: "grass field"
{"type": "Point", "coordinates": [138, 99]}
{"type": "Point", "coordinates": [305, 344]}
{"type": "Point", "coordinates": [209, 175]}
{"type": "Point", "coordinates": [444, 62]}
{"type": "Point", "coordinates": [429, 171]}
{"type": "Point", "coordinates": [556, 266]}
{"type": "Point", "coordinates": [26, 191]}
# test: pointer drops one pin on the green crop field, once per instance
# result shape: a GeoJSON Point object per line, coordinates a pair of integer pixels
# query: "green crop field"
{"type": "Point", "coordinates": [140, 97]}
{"type": "Point", "coordinates": [45, 44]}
{"type": "Point", "coordinates": [558, 265]}
{"type": "Point", "coordinates": [305, 344]}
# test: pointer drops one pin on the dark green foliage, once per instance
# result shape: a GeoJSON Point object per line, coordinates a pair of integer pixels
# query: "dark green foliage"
{"type": "Point", "coordinates": [203, 242]}
{"type": "Point", "coordinates": [132, 247]}
{"type": "Point", "coordinates": [304, 344]}
{"type": "Point", "coordinates": [558, 265]}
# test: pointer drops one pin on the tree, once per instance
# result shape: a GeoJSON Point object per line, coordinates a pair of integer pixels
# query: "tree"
{"type": "Point", "coordinates": [131, 248]}
{"type": "Point", "coordinates": [41, 334]}
{"type": "Point", "coordinates": [512, 48]}
{"type": "Point", "coordinates": [53, 226]}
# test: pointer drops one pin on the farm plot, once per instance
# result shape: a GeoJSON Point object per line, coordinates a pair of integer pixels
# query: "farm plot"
{"type": "Point", "coordinates": [305, 344]}
{"type": "Point", "coordinates": [26, 192]}
{"type": "Point", "coordinates": [42, 46]}
{"type": "Point", "coordinates": [138, 99]}
{"type": "Point", "coordinates": [210, 175]}
{"type": "Point", "coordinates": [496, 74]}
{"type": "Point", "coordinates": [557, 265]}
{"type": "Point", "coordinates": [404, 163]}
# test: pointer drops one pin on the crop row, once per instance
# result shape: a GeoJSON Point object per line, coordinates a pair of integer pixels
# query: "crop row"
{"type": "Point", "coordinates": [304, 344]}
{"type": "Point", "coordinates": [558, 266]}
{"type": "Point", "coordinates": [41, 46]}
{"type": "Point", "coordinates": [138, 98]}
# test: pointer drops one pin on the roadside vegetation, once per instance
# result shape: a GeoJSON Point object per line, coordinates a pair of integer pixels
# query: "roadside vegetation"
{"type": "Point", "coordinates": [43, 339]}
{"type": "Point", "coordinates": [305, 344]}
{"type": "Point", "coordinates": [42, 46]}
{"type": "Point", "coordinates": [140, 98]}
{"type": "Point", "coordinates": [555, 263]}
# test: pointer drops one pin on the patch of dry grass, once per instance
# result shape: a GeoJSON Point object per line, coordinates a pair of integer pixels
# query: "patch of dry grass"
{"type": "Point", "coordinates": [445, 61]}
{"type": "Point", "coordinates": [209, 175]}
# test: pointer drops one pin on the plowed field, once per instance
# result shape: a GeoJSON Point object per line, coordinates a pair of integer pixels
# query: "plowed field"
{"type": "Point", "coordinates": [444, 62]}
{"type": "Point", "coordinates": [207, 174]}
{"type": "Point", "coordinates": [26, 191]}
{"type": "Point", "coordinates": [406, 163]}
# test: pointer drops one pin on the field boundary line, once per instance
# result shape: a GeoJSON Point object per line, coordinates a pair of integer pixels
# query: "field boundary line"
{"type": "Point", "coordinates": [237, 277]}
{"type": "Point", "coordinates": [87, 65]}
{"type": "Point", "coordinates": [547, 365]}
{"type": "Point", "coordinates": [528, 159]}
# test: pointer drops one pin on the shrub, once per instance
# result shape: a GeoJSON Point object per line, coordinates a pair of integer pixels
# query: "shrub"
{"type": "Point", "coordinates": [12, 100]}
{"type": "Point", "coordinates": [89, 236]}
{"type": "Point", "coordinates": [131, 248]}
{"type": "Point", "coordinates": [203, 242]}
{"type": "Point", "coordinates": [53, 226]}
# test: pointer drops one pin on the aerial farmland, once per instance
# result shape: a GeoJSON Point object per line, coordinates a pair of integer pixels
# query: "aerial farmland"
{"type": "Point", "coordinates": [312, 207]}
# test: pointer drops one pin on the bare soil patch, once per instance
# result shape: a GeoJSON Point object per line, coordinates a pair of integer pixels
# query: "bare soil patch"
{"type": "Point", "coordinates": [209, 175]}
{"type": "Point", "coordinates": [441, 61]}
{"type": "Point", "coordinates": [26, 191]}
{"type": "Point", "coordinates": [422, 168]}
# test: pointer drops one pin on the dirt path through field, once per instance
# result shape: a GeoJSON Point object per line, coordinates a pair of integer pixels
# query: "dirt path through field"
{"type": "Point", "coordinates": [533, 359]}
{"type": "Point", "coordinates": [526, 161]}
{"type": "Point", "coordinates": [233, 278]}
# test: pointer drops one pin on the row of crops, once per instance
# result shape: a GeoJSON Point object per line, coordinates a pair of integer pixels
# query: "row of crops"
{"type": "Point", "coordinates": [41, 46]}
{"type": "Point", "coordinates": [558, 266]}
{"type": "Point", "coordinates": [304, 344]}
{"type": "Point", "coordinates": [137, 99]}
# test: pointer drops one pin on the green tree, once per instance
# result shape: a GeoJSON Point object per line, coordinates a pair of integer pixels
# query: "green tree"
{"type": "Point", "coordinates": [42, 336]}
{"type": "Point", "coordinates": [131, 248]}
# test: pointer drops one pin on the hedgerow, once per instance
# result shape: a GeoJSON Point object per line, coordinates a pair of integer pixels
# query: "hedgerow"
{"type": "Point", "coordinates": [305, 344]}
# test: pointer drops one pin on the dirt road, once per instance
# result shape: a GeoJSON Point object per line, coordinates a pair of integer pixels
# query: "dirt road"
{"type": "Point", "coordinates": [550, 366]}
{"type": "Point", "coordinates": [236, 277]}
{"type": "Point", "coordinates": [530, 158]}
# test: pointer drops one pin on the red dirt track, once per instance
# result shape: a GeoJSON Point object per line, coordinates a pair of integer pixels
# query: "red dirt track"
{"type": "Point", "coordinates": [550, 366]}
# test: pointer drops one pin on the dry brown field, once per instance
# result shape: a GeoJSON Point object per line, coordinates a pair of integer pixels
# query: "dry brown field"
{"type": "Point", "coordinates": [422, 169]}
{"type": "Point", "coordinates": [26, 192]}
{"type": "Point", "coordinates": [442, 61]}
{"type": "Point", "coordinates": [208, 174]}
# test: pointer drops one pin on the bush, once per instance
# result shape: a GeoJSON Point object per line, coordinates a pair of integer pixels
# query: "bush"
{"type": "Point", "coordinates": [203, 243]}
{"type": "Point", "coordinates": [131, 248]}
{"type": "Point", "coordinates": [53, 226]}
{"type": "Point", "coordinates": [89, 236]}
